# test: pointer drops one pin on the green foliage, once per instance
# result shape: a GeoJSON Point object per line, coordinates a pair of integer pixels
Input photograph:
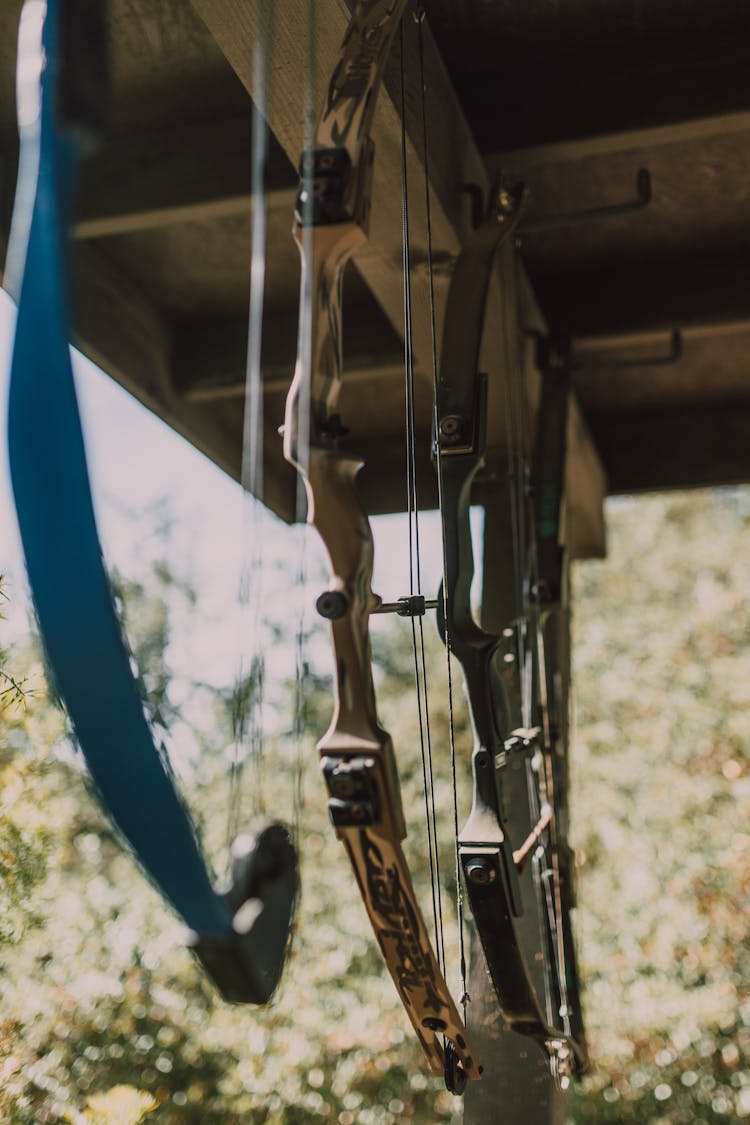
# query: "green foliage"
{"type": "Point", "coordinates": [662, 808]}
{"type": "Point", "coordinates": [108, 1021]}
{"type": "Point", "coordinates": [12, 690]}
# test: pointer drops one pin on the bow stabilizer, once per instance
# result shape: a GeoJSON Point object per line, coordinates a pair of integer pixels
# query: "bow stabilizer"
{"type": "Point", "coordinates": [241, 936]}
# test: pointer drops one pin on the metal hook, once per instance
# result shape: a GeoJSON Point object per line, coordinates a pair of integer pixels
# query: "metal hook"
{"type": "Point", "coordinates": [674, 355]}
{"type": "Point", "coordinates": [593, 214]}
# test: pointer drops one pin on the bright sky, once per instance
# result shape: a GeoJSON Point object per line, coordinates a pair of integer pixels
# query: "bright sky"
{"type": "Point", "coordinates": [135, 461]}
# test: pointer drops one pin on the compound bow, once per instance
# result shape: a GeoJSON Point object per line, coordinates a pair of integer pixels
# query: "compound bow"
{"type": "Point", "coordinates": [357, 755]}
{"type": "Point", "coordinates": [501, 669]}
{"type": "Point", "coordinates": [240, 936]}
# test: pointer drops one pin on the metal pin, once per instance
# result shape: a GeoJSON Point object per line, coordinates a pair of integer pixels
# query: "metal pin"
{"type": "Point", "coordinates": [408, 606]}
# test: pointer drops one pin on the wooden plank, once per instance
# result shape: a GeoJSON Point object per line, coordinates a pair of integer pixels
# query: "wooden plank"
{"type": "Point", "coordinates": [675, 448]}
{"type": "Point", "coordinates": [135, 347]}
{"type": "Point", "coordinates": [236, 25]}
{"type": "Point", "coordinates": [453, 162]}
{"type": "Point", "coordinates": [210, 355]}
{"type": "Point", "coordinates": [648, 295]}
{"type": "Point", "coordinates": [595, 87]}
{"type": "Point", "coordinates": [611, 143]}
{"type": "Point", "coordinates": [196, 172]}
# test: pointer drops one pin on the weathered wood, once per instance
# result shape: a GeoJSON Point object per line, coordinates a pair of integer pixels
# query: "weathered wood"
{"type": "Point", "coordinates": [682, 447]}
{"type": "Point", "coordinates": [562, 73]}
{"type": "Point", "coordinates": [236, 25]}
{"type": "Point", "coordinates": [453, 162]}
{"type": "Point", "coordinates": [648, 295]}
{"type": "Point", "coordinates": [176, 175]}
{"type": "Point", "coordinates": [210, 355]}
{"type": "Point", "coordinates": [651, 137]}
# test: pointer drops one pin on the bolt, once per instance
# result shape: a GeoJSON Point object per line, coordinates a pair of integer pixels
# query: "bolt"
{"type": "Point", "coordinates": [451, 425]}
{"type": "Point", "coordinates": [481, 872]}
{"type": "Point", "coordinates": [342, 786]}
{"type": "Point", "coordinates": [505, 201]}
{"type": "Point", "coordinates": [332, 604]}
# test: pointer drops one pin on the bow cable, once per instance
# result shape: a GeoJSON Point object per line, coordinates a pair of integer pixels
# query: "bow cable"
{"type": "Point", "coordinates": [420, 17]}
{"type": "Point", "coordinates": [532, 679]}
{"type": "Point", "coordinates": [415, 567]}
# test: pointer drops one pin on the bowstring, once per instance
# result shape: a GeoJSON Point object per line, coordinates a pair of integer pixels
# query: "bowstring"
{"type": "Point", "coordinates": [248, 718]}
{"type": "Point", "coordinates": [549, 878]}
{"type": "Point", "coordinates": [415, 567]}
{"type": "Point", "coordinates": [514, 442]}
{"type": "Point", "coordinates": [419, 16]}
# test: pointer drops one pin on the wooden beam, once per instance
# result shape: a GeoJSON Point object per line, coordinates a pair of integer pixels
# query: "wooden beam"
{"type": "Point", "coordinates": [600, 88]}
{"type": "Point", "coordinates": [688, 131]}
{"type": "Point", "coordinates": [135, 347]}
{"type": "Point", "coordinates": [692, 447]}
{"type": "Point", "coordinates": [658, 295]}
{"type": "Point", "coordinates": [176, 175]}
{"type": "Point", "coordinates": [358, 369]}
{"type": "Point", "coordinates": [210, 356]}
{"type": "Point", "coordinates": [453, 162]}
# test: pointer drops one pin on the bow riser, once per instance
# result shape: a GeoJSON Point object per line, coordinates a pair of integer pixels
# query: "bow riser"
{"type": "Point", "coordinates": [324, 253]}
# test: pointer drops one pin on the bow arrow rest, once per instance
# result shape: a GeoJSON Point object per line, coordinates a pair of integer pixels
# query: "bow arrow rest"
{"type": "Point", "coordinates": [240, 936]}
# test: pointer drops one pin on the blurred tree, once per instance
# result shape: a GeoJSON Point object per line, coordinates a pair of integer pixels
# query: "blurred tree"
{"type": "Point", "coordinates": [108, 1021]}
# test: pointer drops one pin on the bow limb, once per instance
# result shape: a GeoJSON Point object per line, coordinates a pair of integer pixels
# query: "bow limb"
{"type": "Point", "coordinates": [243, 950]}
{"type": "Point", "coordinates": [357, 755]}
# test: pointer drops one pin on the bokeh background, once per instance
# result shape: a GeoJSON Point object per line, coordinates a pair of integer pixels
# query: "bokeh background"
{"type": "Point", "coordinates": [105, 1019]}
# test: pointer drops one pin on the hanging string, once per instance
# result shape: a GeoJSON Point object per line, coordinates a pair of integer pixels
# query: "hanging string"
{"type": "Point", "coordinates": [415, 566]}
{"type": "Point", "coordinates": [419, 16]}
{"type": "Point", "coordinates": [249, 698]}
{"type": "Point", "coordinates": [301, 667]}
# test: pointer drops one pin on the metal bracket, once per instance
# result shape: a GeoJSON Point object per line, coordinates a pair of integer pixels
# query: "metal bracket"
{"type": "Point", "coordinates": [672, 356]}
{"type": "Point", "coordinates": [414, 606]}
{"type": "Point", "coordinates": [594, 214]}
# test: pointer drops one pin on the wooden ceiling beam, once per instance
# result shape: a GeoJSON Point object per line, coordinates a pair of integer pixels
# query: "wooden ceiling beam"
{"type": "Point", "coordinates": [616, 87]}
{"type": "Point", "coordinates": [688, 131]}
{"type": "Point", "coordinates": [658, 295]}
{"type": "Point", "coordinates": [210, 358]}
{"type": "Point", "coordinates": [454, 162]}
{"type": "Point", "coordinates": [135, 347]}
{"type": "Point", "coordinates": [694, 447]}
{"type": "Point", "coordinates": [173, 176]}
